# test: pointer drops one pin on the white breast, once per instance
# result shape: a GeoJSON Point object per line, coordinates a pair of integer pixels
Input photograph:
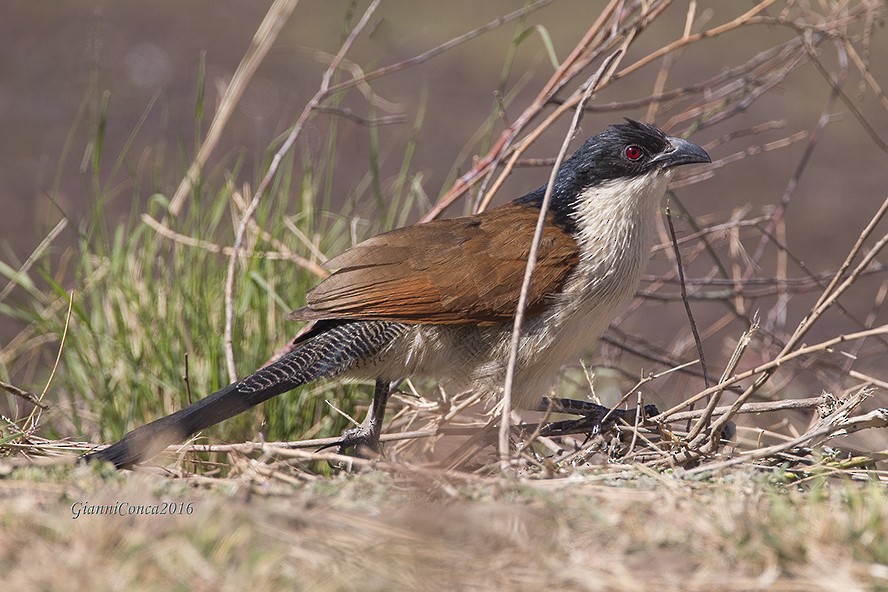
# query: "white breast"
{"type": "Point", "coordinates": [616, 224]}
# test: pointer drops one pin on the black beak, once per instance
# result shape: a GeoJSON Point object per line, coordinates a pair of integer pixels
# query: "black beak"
{"type": "Point", "coordinates": [680, 152]}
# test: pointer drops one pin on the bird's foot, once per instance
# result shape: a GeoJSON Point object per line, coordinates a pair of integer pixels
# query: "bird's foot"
{"type": "Point", "coordinates": [362, 441]}
{"type": "Point", "coordinates": [591, 410]}
{"type": "Point", "coordinates": [595, 418]}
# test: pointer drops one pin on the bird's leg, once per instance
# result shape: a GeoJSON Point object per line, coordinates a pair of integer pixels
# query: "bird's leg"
{"type": "Point", "coordinates": [588, 408]}
{"type": "Point", "coordinates": [595, 417]}
{"type": "Point", "coordinates": [366, 435]}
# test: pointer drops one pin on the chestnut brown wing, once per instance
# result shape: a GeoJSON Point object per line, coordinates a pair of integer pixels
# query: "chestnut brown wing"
{"type": "Point", "coordinates": [464, 270]}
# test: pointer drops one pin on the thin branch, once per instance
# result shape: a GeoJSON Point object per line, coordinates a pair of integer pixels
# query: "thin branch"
{"type": "Point", "coordinates": [684, 297]}
{"type": "Point", "coordinates": [506, 409]}
{"type": "Point", "coordinates": [773, 365]}
{"type": "Point", "coordinates": [435, 51]}
{"type": "Point", "coordinates": [22, 394]}
{"type": "Point", "coordinates": [359, 119]}
{"type": "Point", "coordinates": [709, 411]}
{"type": "Point", "coordinates": [836, 422]}
{"type": "Point", "coordinates": [579, 58]}
{"type": "Point", "coordinates": [766, 407]}
{"type": "Point", "coordinates": [827, 298]}
{"type": "Point", "coordinates": [855, 250]}
{"type": "Point", "coordinates": [813, 139]}
{"type": "Point", "coordinates": [743, 19]}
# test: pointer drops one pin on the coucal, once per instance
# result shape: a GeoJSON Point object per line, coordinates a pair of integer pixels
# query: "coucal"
{"type": "Point", "coordinates": [439, 299]}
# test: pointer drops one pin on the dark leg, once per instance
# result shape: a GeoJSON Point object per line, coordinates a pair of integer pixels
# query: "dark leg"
{"type": "Point", "coordinates": [596, 418]}
{"type": "Point", "coordinates": [588, 408]}
{"type": "Point", "coordinates": [366, 435]}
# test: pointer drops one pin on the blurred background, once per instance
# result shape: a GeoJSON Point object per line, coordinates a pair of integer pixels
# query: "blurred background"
{"type": "Point", "coordinates": [61, 59]}
{"type": "Point", "coordinates": [128, 73]}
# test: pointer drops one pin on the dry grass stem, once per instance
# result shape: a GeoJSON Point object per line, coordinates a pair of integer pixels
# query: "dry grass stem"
{"type": "Point", "coordinates": [264, 38]}
{"type": "Point", "coordinates": [266, 181]}
{"type": "Point", "coordinates": [506, 404]}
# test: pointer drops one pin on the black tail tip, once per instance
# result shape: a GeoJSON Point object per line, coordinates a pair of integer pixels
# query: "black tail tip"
{"type": "Point", "coordinates": [117, 455]}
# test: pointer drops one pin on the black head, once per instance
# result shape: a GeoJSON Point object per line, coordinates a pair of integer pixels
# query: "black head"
{"type": "Point", "coordinates": [622, 151]}
{"type": "Point", "coordinates": [627, 150]}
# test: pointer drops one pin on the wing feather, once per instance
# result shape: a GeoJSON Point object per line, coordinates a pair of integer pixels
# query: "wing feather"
{"type": "Point", "coordinates": [459, 271]}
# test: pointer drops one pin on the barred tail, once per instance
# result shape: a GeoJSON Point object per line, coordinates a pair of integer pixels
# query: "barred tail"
{"type": "Point", "coordinates": [330, 352]}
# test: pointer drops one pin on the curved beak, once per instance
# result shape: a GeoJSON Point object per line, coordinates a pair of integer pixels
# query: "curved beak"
{"type": "Point", "coordinates": [680, 152]}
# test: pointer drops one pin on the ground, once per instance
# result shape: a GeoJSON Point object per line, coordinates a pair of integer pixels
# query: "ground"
{"type": "Point", "coordinates": [614, 528]}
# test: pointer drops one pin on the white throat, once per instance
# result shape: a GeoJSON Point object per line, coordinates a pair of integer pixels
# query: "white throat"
{"type": "Point", "coordinates": [616, 229]}
{"type": "Point", "coordinates": [613, 216]}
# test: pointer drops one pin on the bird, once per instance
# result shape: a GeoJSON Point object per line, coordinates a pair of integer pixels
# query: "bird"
{"type": "Point", "coordinates": [439, 299]}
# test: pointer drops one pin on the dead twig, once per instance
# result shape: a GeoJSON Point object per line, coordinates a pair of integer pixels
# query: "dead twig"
{"type": "Point", "coordinates": [23, 394]}
{"type": "Point", "coordinates": [709, 411]}
{"type": "Point", "coordinates": [506, 403]}
{"type": "Point", "coordinates": [578, 59]}
{"type": "Point", "coordinates": [772, 365]}
{"type": "Point", "coordinates": [836, 423]}
{"type": "Point", "coordinates": [766, 407]}
{"type": "Point", "coordinates": [282, 254]}
{"type": "Point", "coordinates": [684, 296]}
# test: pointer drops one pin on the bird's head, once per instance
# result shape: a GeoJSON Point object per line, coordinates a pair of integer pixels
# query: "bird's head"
{"type": "Point", "coordinates": [628, 150]}
{"type": "Point", "coordinates": [628, 164]}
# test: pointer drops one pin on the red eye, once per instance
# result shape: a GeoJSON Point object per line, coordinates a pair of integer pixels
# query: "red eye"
{"type": "Point", "coordinates": [633, 152]}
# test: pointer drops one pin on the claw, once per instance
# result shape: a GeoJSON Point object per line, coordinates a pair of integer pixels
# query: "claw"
{"type": "Point", "coordinates": [364, 439]}
{"type": "Point", "coordinates": [361, 440]}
